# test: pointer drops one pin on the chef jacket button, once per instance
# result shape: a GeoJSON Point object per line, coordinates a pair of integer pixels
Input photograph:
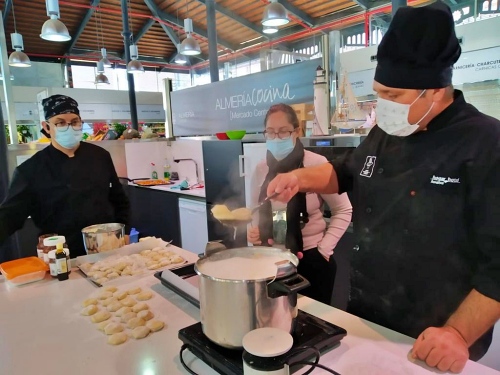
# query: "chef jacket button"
{"type": "Point", "coordinates": [366, 230]}
{"type": "Point", "coordinates": [368, 210]}
{"type": "Point", "coordinates": [380, 170]}
{"type": "Point", "coordinates": [406, 231]}
{"type": "Point", "coordinates": [356, 248]}
{"type": "Point", "coordinates": [68, 186]}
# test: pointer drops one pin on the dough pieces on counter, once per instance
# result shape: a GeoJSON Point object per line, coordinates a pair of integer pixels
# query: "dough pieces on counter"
{"type": "Point", "coordinates": [112, 328]}
{"type": "Point", "coordinates": [140, 332]}
{"type": "Point", "coordinates": [100, 316]}
{"type": "Point", "coordinates": [145, 314]}
{"type": "Point", "coordinates": [121, 314]}
{"type": "Point", "coordinates": [117, 338]}
{"type": "Point", "coordinates": [155, 325]}
{"type": "Point", "coordinates": [89, 310]}
{"type": "Point", "coordinates": [139, 307]}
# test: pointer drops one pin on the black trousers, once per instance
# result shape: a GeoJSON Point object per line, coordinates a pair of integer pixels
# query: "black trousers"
{"type": "Point", "coordinates": [320, 273]}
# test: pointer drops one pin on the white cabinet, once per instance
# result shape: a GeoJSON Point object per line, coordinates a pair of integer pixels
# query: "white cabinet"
{"type": "Point", "coordinates": [193, 221]}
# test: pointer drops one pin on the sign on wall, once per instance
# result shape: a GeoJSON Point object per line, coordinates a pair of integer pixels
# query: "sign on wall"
{"type": "Point", "coordinates": [241, 103]}
{"type": "Point", "coordinates": [362, 82]}
{"type": "Point", "coordinates": [477, 66]}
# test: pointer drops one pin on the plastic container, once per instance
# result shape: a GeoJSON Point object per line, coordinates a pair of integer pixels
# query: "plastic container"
{"type": "Point", "coordinates": [236, 134]}
{"type": "Point", "coordinates": [23, 271]}
{"type": "Point", "coordinates": [222, 136]}
{"type": "Point", "coordinates": [134, 236]}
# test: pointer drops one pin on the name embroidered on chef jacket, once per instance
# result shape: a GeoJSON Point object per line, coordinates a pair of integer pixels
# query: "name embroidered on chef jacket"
{"type": "Point", "coordinates": [367, 170]}
{"type": "Point", "coordinates": [444, 180]}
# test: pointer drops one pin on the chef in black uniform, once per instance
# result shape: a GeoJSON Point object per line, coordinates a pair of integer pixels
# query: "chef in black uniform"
{"type": "Point", "coordinates": [426, 197]}
{"type": "Point", "coordinates": [68, 185]}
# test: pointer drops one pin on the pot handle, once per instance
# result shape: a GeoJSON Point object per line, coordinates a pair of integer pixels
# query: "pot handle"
{"type": "Point", "coordinates": [285, 287]}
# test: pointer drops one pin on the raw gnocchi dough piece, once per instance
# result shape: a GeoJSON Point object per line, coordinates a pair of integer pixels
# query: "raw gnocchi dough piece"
{"type": "Point", "coordinates": [120, 295]}
{"type": "Point", "coordinates": [112, 275]}
{"type": "Point", "coordinates": [177, 259]}
{"type": "Point", "coordinates": [144, 296]}
{"type": "Point", "coordinates": [109, 301]}
{"type": "Point", "coordinates": [145, 252]}
{"type": "Point", "coordinates": [100, 316]}
{"type": "Point", "coordinates": [115, 306]}
{"type": "Point", "coordinates": [145, 314]}
{"type": "Point", "coordinates": [89, 301]}
{"type": "Point", "coordinates": [112, 328]}
{"type": "Point", "coordinates": [155, 325]}
{"type": "Point", "coordinates": [150, 263]}
{"type": "Point", "coordinates": [127, 271]}
{"type": "Point", "coordinates": [134, 291]}
{"type": "Point", "coordinates": [158, 248]}
{"type": "Point", "coordinates": [154, 266]}
{"type": "Point", "coordinates": [102, 325]}
{"type": "Point", "coordinates": [140, 332]}
{"type": "Point", "coordinates": [129, 302]}
{"type": "Point", "coordinates": [111, 289]}
{"type": "Point", "coordinates": [102, 281]}
{"type": "Point", "coordinates": [140, 307]}
{"type": "Point", "coordinates": [89, 310]}
{"type": "Point", "coordinates": [105, 295]}
{"type": "Point", "coordinates": [157, 257]}
{"type": "Point", "coordinates": [121, 266]}
{"type": "Point", "coordinates": [124, 310]}
{"type": "Point", "coordinates": [135, 322]}
{"type": "Point", "coordinates": [127, 316]}
{"type": "Point", "coordinates": [117, 338]}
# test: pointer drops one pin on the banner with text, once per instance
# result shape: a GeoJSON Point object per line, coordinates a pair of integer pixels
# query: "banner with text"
{"type": "Point", "coordinates": [477, 66]}
{"type": "Point", "coordinates": [241, 103]}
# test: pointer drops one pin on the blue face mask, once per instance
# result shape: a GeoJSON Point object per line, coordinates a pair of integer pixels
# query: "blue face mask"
{"type": "Point", "coordinates": [280, 148]}
{"type": "Point", "coordinates": [69, 138]}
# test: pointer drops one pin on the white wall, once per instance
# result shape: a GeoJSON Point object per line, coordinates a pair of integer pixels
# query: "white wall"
{"type": "Point", "coordinates": [39, 74]}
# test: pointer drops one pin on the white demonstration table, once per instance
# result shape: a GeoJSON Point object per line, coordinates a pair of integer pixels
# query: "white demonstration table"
{"type": "Point", "coordinates": [42, 332]}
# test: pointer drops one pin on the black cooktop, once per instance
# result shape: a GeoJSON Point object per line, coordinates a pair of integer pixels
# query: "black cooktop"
{"type": "Point", "coordinates": [309, 331]}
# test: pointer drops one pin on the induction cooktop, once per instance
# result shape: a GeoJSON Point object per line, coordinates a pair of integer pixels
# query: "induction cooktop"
{"type": "Point", "coordinates": [309, 331]}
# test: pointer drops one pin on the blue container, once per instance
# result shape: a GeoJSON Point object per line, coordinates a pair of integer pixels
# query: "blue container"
{"type": "Point", "coordinates": [134, 236]}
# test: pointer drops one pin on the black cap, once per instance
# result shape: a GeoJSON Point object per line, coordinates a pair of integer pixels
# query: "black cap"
{"type": "Point", "coordinates": [58, 105]}
{"type": "Point", "coordinates": [419, 48]}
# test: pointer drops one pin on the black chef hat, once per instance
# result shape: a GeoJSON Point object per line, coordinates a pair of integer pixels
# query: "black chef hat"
{"type": "Point", "coordinates": [419, 48]}
{"type": "Point", "coordinates": [58, 105]}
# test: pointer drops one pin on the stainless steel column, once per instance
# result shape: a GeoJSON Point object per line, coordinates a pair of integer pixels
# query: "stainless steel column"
{"type": "Point", "coordinates": [396, 4]}
{"type": "Point", "coordinates": [212, 41]}
{"type": "Point", "coordinates": [167, 106]}
{"type": "Point", "coordinates": [7, 86]}
{"type": "Point", "coordinates": [130, 77]}
{"type": "Point", "coordinates": [325, 43]}
{"type": "Point", "coordinates": [334, 53]}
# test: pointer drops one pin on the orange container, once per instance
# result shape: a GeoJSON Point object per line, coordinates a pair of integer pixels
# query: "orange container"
{"type": "Point", "coordinates": [23, 271]}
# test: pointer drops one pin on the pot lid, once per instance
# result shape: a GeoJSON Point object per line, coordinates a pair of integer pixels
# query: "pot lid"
{"type": "Point", "coordinates": [267, 342]}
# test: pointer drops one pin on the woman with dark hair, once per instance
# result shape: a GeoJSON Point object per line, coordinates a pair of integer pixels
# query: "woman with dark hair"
{"type": "Point", "coordinates": [307, 234]}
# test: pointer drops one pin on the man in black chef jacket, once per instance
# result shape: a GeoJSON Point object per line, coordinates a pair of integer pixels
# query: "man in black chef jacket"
{"type": "Point", "coordinates": [68, 185]}
{"type": "Point", "coordinates": [426, 189]}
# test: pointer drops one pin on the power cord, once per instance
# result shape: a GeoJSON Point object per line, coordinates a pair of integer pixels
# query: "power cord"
{"type": "Point", "coordinates": [184, 347]}
{"type": "Point", "coordinates": [313, 365]}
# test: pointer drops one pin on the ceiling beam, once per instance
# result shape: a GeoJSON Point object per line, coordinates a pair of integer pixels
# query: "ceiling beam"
{"type": "Point", "coordinates": [83, 24]}
{"type": "Point", "coordinates": [168, 30]}
{"type": "Point", "coordinates": [144, 29]}
{"type": "Point", "coordinates": [303, 16]}
{"type": "Point", "coordinates": [237, 18]}
{"type": "Point", "coordinates": [6, 10]}
{"type": "Point", "coordinates": [201, 32]}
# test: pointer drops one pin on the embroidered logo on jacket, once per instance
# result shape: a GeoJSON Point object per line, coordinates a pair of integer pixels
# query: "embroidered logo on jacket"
{"type": "Point", "coordinates": [444, 180]}
{"type": "Point", "coordinates": [367, 170]}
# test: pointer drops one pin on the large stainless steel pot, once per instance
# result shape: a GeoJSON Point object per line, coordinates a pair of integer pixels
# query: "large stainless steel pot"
{"type": "Point", "coordinates": [103, 237]}
{"type": "Point", "coordinates": [231, 308]}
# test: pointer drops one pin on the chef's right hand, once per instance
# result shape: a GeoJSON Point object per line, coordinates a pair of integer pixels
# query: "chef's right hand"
{"type": "Point", "coordinates": [286, 185]}
{"type": "Point", "coordinates": [253, 236]}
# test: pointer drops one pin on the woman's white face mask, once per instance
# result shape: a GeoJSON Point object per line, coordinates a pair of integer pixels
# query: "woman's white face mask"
{"type": "Point", "coordinates": [392, 117]}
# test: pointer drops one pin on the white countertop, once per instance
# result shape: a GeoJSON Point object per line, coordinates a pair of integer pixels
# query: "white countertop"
{"type": "Point", "coordinates": [200, 193]}
{"type": "Point", "coordinates": [42, 332]}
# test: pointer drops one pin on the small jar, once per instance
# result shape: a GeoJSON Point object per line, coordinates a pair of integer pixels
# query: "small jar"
{"type": "Point", "coordinates": [279, 224]}
{"type": "Point", "coordinates": [41, 249]}
{"type": "Point", "coordinates": [66, 251]}
{"type": "Point", "coordinates": [52, 263]}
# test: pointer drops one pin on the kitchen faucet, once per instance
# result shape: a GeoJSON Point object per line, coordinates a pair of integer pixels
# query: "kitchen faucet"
{"type": "Point", "coordinates": [196, 167]}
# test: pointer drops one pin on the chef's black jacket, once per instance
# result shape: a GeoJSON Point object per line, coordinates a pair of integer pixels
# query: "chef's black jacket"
{"type": "Point", "coordinates": [426, 220]}
{"type": "Point", "coordinates": [63, 195]}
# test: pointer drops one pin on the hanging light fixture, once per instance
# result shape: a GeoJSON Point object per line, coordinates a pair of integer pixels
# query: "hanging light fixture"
{"type": "Point", "coordinates": [18, 58]}
{"type": "Point", "coordinates": [270, 29]}
{"type": "Point", "coordinates": [189, 46]}
{"type": "Point", "coordinates": [105, 61]}
{"type": "Point", "coordinates": [179, 58]}
{"type": "Point", "coordinates": [100, 78]}
{"type": "Point", "coordinates": [134, 66]}
{"type": "Point", "coordinates": [53, 29]}
{"type": "Point", "coordinates": [275, 14]}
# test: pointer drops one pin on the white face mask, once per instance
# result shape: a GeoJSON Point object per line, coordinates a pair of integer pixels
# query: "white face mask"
{"type": "Point", "coordinates": [392, 117]}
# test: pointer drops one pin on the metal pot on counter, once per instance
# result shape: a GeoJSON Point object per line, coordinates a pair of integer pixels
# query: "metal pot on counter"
{"type": "Point", "coordinates": [103, 237]}
{"type": "Point", "coordinates": [247, 288]}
